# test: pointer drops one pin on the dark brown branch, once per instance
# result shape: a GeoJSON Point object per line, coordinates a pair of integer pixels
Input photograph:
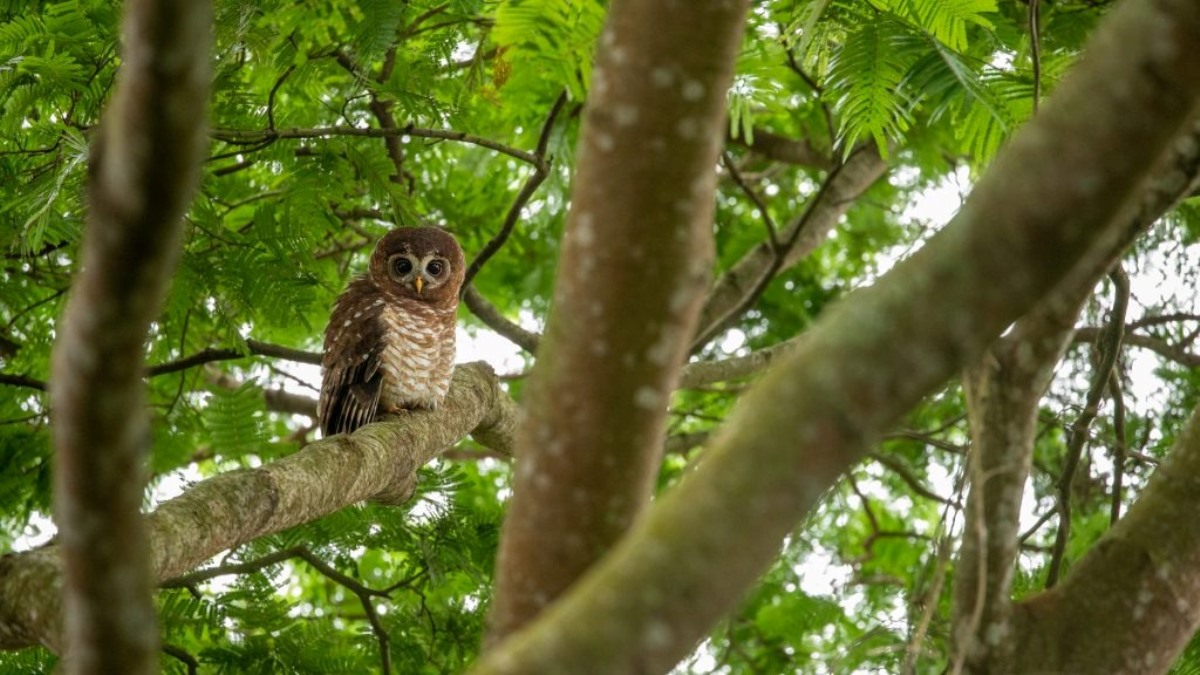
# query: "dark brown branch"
{"type": "Point", "coordinates": [540, 172]}
{"type": "Point", "coordinates": [254, 347]}
{"type": "Point", "coordinates": [764, 212]}
{"type": "Point", "coordinates": [1119, 451]}
{"type": "Point", "coordinates": [899, 468]}
{"type": "Point", "coordinates": [202, 575]}
{"type": "Point", "coordinates": [488, 314]}
{"type": "Point", "coordinates": [255, 137]}
{"type": "Point", "coordinates": [364, 593]}
{"type": "Point", "coordinates": [1158, 320]}
{"type": "Point", "coordinates": [14, 380]}
{"type": "Point", "coordinates": [1109, 349]}
{"type": "Point", "coordinates": [182, 655]}
{"type": "Point", "coordinates": [275, 90]}
{"type": "Point", "coordinates": [1087, 335]}
{"type": "Point", "coordinates": [783, 149]}
{"type": "Point", "coordinates": [200, 358]}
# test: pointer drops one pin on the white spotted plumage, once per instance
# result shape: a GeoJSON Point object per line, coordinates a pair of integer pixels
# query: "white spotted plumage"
{"type": "Point", "coordinates": [417, 357]}
{"type": "Point", "coordinates": [390, 341]}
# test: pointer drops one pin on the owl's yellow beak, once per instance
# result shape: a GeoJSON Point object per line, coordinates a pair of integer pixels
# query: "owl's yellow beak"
{"type": "Point", "coordinates": [419, 283]}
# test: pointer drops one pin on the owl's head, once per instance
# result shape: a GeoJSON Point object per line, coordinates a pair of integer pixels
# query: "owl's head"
{"type": "Point", "coordinates": [422, 263]}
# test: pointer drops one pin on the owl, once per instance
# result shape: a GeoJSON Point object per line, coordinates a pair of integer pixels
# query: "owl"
{"type": "Point", "coordinates": [390, 341]}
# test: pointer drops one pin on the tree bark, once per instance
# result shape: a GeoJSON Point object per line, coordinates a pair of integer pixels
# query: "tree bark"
{"type": "Point", "coordinates": [635, 262]}
{"type": "Point", "coordinates": [1053, 200]}
{"type": "Point", "coordinates": [144, 168]}
{"type": "Point", "coordinates": [1133, 602]}
{"type": "Point", "coordinates": [846, 183]}
{"type": "Point", "coordinates": [378, 461]}
{"type": "Point", "coordinates": [1003, 393]}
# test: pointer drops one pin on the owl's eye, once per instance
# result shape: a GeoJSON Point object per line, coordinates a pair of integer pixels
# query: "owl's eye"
{"type": "Point", "coordinates": [435, 267]}
{"type": "Point", "coordinates": [402, 266]}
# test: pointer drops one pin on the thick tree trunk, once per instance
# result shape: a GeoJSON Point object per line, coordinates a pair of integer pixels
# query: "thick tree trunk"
{"type": "Point", "coordinates": [635, 263]}
{"type": "Point", "coordinates": [144, 168]}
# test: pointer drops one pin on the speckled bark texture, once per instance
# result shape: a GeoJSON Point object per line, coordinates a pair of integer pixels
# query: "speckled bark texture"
{"type": "Point", "coordinates": [635, 264]}
{"type": "Point", "coordinates": [377, 462]}
{"type": "Point", "coordinates": [1003, 393]}
{"type": "Point", "coordinates": [1133, 602]}
{"type": "Point", "coordinates": [143, 170]}
{"type": "Point", "coordinates": [1052, 199]}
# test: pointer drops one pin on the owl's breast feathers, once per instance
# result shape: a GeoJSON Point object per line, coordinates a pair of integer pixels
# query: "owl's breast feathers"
{"type": "Point", "coordinates": [418, 354]}
{"type": "Point", "coordinates": [382, 353]}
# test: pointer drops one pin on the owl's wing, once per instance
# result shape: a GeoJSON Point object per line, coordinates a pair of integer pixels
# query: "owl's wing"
{"type": "Point", "coordinates": [354, 343]}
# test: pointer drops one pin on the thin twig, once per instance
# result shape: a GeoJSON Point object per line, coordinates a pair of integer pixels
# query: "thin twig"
{"type": "Point", "coordinates": [254, 348]}
{"type": "Point", "coordinates": [275, 90]}
{"type": "Point", "coordinates": [1110, 348]}
{"type": "Point", "coordinates": [900, 469]}
{"type": "Point", "coordinates": [1035, 50]}
{"type": "Point", "coordinates": [540, 172]}
{"type": "Point", "coordinates": [180, 654]}
{"type": "Point", "coordinates": [263, 137]}
{"type": "Point", "coordinates": [1118, 398]}
{"type": "Point", "coordinates": [768, 221]}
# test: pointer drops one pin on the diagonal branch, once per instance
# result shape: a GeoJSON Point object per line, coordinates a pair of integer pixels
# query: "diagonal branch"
{"type": "Point", "coordinates": [486, 312]}
{"type": "Point", "coordinates": [738, 287]}
{"type": "Point", "coordinates": [540, 172]}
{"type": "Point", "coordinates": [378, 461]}
{"type": "Point", "coordinates": [1109, 349]}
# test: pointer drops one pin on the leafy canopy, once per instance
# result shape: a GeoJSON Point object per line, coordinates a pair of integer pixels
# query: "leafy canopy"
{"type": "Point", "coordinates": [294, 194]}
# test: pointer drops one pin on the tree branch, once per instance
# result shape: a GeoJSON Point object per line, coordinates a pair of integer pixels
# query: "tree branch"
{"type": "Point", "coordinates": [1026, 227]}
{"type": "Point", "coordinates": [261, 136]}
{"type": "Point", "coordinates": [1088, 334]}
{"type": "Point", "coordinates": [1003, 392]}
{"type": "Point", "coordinates": [1109, 349]}
{"type": "Point", "coordinates": [639, 226]}
{"type": "Point", "coordinates": [488, 314]}
{"type": "Point", "coordinates": [1131, 599]}
{"type": "Point", "coordinates": [378, 461]}
{"type": "Point", "coordinates": [143, 171]}
{"type": "Point", "coordinates": [540, 172]}
{"type": "Point", "coordinates": [783, 149]}
{"type": "Point", "coordinates": [842, 186]}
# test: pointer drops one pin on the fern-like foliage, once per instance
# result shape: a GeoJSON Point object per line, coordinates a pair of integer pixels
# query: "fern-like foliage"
{"type": "Point", "coordinates": [947, 20]}
{"type": "Point", "coordinates": [558, 36]}
{"type": "Point", "coordinates": [865, 78]}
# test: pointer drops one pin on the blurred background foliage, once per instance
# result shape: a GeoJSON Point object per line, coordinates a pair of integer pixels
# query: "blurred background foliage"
{"type": "Point", "coordinates": [295, 192]}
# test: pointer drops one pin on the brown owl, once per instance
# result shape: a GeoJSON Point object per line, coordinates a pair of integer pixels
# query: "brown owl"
{"type": "Point", "coordinates": [390, 342]}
